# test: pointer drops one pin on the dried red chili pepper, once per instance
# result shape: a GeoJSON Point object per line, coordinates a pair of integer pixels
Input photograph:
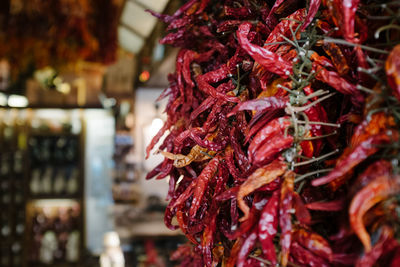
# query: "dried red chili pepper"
{"type": "Point", "coordinates": [333, 79]}
{"type": "Point", "coordinates": [270, 149]}
{"type": "Point", "coordinates": [261, 104]}
{"type": "Point", "coordinates": [357, 155]}
{"type": "Point", "coordinates": [314, 243]}
{"type": "Point", "coordinates": [374, 192]}
{"type": "Point", "coordinates": [302, 214]}
{"type": "Point", "coordinates": [386, 243]}
{"type": "Point", "coordinates": [392, 67]}
{"type": "Point", "coordinates": [305, 257]}
{"type": "Point", "coordinates": [285, 216]}
{"type": "Point", "coordinates": [246, 247]}
{"type": "Point", "coordinates": [349, 8]}
{"type": "Point", "coordinates": [274, 127]}
{"type": "Point", "coordinates": [271, 61]}
{"type": "Point", "coordinates": [311, 12]}
{"type": "Point", "coordinates": [335, 205]}
{"type": "Point", "coordinates": [257, 179]}
{"type": "Point", "coordinates": [337, 57]}
{"type": "Point", "coordinates": [201, 184]}
{"type": "Point", "coordinates": [268, 227]}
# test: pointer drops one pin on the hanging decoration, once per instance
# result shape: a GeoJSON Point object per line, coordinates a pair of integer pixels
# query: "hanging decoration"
{"type": "Point", "coordinates": [282, 142]}
{"type": "Point", "coordinates": [35, 34]}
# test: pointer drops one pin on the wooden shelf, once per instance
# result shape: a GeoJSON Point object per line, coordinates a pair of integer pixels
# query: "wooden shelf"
{"type": "Point", "coordinates": [54, 196]}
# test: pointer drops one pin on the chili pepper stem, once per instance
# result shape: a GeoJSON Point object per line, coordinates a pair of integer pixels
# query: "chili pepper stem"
{"type": "Point", "coordinates": [319, 137]}
{"type": "Point", "coordinates": [386, 27]}
{"type": "Point", "coordinates": [320, 123]}
{"type": "Point", "coordinates": [304, 176]}
{"type": "Point", "coordinates": [316, 159]}
{"type": "Point", "coordinates": [365, 89]}
{"type": "Point", "coordinates": [300, 109]}
{"type": "Point", "coordinates": [343, 42]}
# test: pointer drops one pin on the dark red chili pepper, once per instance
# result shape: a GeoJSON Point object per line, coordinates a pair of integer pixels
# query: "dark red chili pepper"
{"type": "Point", "coordinates": [273, 128]}
{"type": "Point", "coordinates": [377, 190]}
{"type": "Point", "coordinates": [305, 257]}
{"type": "Point", "coordinates": [335, 205]}
{"type": "Point", "coordinates": [302, 214]}
{"type": "Point", "coordinates": [246, 248]}
{"type": "Point", "coordinates": [349, 8]}
{"type": "Point", "coordinates": [157, 138]}
{"type": "Point", "coordinates": [261, 104]}
{"type": "Point", "coordinates": [314, 243]}
{"type": "Point", "coordinates": [210, 90]}
{"type": "Point", "coordinates": [239, 12]}
{"type": "Point", "coordinates": [269, 150]}
{"type": "Point", "coordinates": [311, 12]}
{"type": "Point", "coordinates": [385, 244]}
{"type": "Point", "coordinates": [285, 28]}
{"type": "Point", "coordinates": [208, 240]}
{"type": "Point", "coordinates": [179, 12]}
{"type": "Point", "coordinates": [285, 216]}
{"type": "Point", "coordinates": [337, 57]}
{"type": "Point", "coordinates": [231, 262]}
{"type": "Point", "coordinates": [392, 67]}
{"type": "Point", "coordinates": [201, 184]}
{"type": "Point", "coordinates": [257, 179]}
{"type": "Point", "coordinates": [340, 84]}
{"type": "Point", "coordinates": [357, 155]}
{"type": "Point", "coordinates": [376, 169]}
{"type": "Point", "coordinates": [268, 227]}
{"type": "Point", "coordinates": [271, 61]}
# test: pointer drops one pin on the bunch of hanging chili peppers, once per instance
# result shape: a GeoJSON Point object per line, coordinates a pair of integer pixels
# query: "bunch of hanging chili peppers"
{"type": "Point", "coordinates": [282, 144]}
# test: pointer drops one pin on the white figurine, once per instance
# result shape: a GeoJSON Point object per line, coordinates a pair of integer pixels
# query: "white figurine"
{"type": "Point", "coordinates": [112, 255]}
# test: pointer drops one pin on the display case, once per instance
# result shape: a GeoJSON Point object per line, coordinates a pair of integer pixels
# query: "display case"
{"type": "Point", "coordinates": [55, 187]}
{"type": "Point", "coordinates": [12, 180]}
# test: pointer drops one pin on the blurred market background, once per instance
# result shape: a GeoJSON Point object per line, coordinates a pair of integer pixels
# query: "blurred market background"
{"type": "Point", "coordinates": [78, 82]}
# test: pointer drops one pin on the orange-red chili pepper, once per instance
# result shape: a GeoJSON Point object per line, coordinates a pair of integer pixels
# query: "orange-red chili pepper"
{"type": "Point", "coordinates": [376, 191]}
{"type": "Point", "coordinates": [257, 179]}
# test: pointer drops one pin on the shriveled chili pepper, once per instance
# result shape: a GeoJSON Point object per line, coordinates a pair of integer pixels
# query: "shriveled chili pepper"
{"type": "Point", "coordinates": [357, 155]}
{"type": "Point", "coordinates": [302, 214]}
{"type": "Point", "coordinates": [392, 67]}
{"type": "Point", "coordinates": [234, 253]}
{"type": "Point", "coordinates": [376, 169]}
{"type": "Point", "coordinates": [257, 179]}
{"type": "Point", "coordinates": [335, 205]}
{"type": "Point", "coordinates": [349, 8]}
{"type": "Point", "coordinates": [201, 184]}
{"type": "Point", "coordinates": [385, 243]}
{"type": "Point", "coordinates": [271, 61]}
{"type": "Point", "coordinates": [268, 227]}
{"type": "Point", "coordinates": [276, 126]}
{"type": "Point", "coordinates": [285, 28]}
{"type": "Point", "coordinates": [246, 248]}
{"type": "Point", "coordinates": [340, 84]}
{"type": "Point", "coordinates": [261, 104]}
{"type": "Point", "coordinates": [285, 216]}
{"type": "Point", "coordinates": [377, 190]}
{"type": "Point", "coordinates": [311, 12]}
{"type": "Point", "coordinates": [314, 243]}
{"type": "Point", "coordinates": [375, 124]}
{"type": "Point", "coordinates": [305, 257]}
{"type": "Point", "coordinates": [337, 57]}
{"type": "Point", "coordinates": [270, 149]}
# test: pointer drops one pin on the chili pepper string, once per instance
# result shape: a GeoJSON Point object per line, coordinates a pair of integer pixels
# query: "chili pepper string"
{"type": "Point", "coordinates": [282, 142]}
